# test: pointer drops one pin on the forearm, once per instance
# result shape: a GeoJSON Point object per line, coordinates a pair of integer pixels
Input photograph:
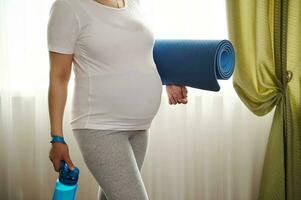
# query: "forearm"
{"type": "Point", "coordinates": [57, 95]}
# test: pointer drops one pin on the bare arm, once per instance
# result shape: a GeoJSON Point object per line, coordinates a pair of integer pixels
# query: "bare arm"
{"type": "Point", "coordinates": [60, 70]}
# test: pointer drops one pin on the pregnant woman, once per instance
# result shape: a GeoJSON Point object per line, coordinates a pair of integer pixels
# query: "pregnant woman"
{"type": "Point", "coordinates": [117, 90]}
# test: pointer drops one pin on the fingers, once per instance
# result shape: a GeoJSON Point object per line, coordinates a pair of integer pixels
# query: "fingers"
{"type": "Point", "coordinates": [182, 96]}
{"type": "Point", "coordinates": [69, 162]}
{"type": "Point", "coordinates": [171, 99]}
{"type": "Point", "coordinates": [184, 91]}
{"type": "Point", "coordinates": [174, 100]}
{"type": "Point", "coordinates": [56, 164]}
{"type": "Point", "coordinates": [176, 94]}
{"type": "Point", "coordinates": [171, 90]}
{"type": "Point", "coordinates": [60, 152]}
{"type": "Point", "coordinates": [184, 100]}
{"type": "Point", "coordinates": [54, 159]}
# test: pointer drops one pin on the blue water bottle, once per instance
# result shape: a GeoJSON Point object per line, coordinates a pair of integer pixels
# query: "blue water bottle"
{"type": "Point", "coordinates": [66, 184]}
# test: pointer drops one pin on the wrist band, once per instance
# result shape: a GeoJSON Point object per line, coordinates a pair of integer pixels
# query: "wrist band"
{"type": "Point", "coordinates": [58, 139]}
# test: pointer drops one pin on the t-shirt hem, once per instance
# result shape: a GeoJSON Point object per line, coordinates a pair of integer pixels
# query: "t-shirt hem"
{"type": "Point", "coordinates": [60, 49]}
{"type": "Point", "coordinates": [110, 126]}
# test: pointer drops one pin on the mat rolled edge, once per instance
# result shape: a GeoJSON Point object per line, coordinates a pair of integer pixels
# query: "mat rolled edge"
{"type": "Point", "coordinates": [222, 62]}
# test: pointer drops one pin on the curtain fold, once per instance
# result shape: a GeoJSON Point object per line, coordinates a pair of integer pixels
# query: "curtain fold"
{"type": "Point", "coordinates": [266, 38]}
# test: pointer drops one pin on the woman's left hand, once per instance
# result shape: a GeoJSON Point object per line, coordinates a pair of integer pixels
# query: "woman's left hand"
{"type": "Point", "coordinates": [176, 94]}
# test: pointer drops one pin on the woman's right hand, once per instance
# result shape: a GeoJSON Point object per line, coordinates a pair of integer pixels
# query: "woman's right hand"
{"type": "Point", "coordinates": [58, 152]}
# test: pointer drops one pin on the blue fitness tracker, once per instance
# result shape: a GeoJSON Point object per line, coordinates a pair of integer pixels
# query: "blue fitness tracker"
{"type": "Point", "coordinates": [58, 139]}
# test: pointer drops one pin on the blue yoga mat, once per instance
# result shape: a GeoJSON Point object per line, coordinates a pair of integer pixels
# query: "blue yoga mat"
{"type": "Point", "coordinates": [194, 63]}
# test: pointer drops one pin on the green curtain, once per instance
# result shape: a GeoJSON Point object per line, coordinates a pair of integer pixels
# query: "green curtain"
{"type": "Point", "coordinates": [266, 35]}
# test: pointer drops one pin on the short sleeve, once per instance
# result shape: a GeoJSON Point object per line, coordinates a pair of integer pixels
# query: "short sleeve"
{"type": "Point", "coordinates": [63, 28]}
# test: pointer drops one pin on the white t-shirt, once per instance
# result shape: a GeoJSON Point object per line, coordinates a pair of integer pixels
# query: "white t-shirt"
{"type": "Point", "coordinates": [116, 83]}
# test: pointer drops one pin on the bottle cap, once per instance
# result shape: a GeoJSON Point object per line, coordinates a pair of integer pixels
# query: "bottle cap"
{"type": "Point", "coordinates": [67, 176]}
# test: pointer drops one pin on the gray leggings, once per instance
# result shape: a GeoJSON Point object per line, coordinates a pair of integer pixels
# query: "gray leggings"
{"type": "Point", "coordinates": [115, 159]}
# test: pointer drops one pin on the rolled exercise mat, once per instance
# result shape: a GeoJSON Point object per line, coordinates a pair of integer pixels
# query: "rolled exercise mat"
{"type": "Point", "coordinates": [194, 63]}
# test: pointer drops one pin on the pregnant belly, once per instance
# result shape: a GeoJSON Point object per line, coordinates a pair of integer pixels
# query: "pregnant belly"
{"type": "Point", "coordinates": [126, 95]}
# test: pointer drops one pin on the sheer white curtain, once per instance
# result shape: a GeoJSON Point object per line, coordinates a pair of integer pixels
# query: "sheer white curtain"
{"type": "Point", "coordinates": [209, 149]}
